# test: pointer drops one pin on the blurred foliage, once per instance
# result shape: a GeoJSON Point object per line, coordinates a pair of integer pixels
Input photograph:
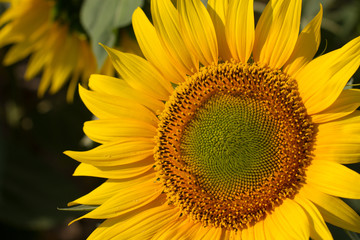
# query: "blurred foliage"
{"type": "Point", "coordinates": [35, 177]}
{"type": "Point", "coordinates": [101, 19]}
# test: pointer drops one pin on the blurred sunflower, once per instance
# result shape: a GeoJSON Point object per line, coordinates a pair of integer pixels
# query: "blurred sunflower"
{"type": "Point", "coordinates": [49, 31]}
{"type": "Point", "coordinates": [224, 131]}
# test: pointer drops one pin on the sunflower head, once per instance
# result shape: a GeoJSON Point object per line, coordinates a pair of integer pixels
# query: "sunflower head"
{"type": "Point", "coordinates": [49, 33]}
{"type": "Point", "coordinates": [236, 138]}
{"type": "Point", "coordinates": [223, 130]}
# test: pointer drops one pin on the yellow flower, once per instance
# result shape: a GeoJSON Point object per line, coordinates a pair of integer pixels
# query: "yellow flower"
{"type": "Point", "coordinates": [57, 50]}
{"type": "Point", "coordinates": [224, 131]}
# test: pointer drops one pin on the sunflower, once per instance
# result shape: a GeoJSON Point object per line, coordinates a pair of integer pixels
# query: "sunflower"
{"type": "Point", "coordinates": [55, 40]}
{"type": "Point", "coordinates": [224, 130]}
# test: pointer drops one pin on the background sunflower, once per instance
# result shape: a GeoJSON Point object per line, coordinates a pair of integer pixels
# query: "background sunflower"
{"type": "Point", "coordinates": [60, 39]}
{"type": "Point", "coordinates": [35, 177]}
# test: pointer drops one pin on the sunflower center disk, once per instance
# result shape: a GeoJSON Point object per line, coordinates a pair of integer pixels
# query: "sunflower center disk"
{"type": "Point", "coordinates": [229, 145]}
{"type": "Point", "coordinates": [234, 141]}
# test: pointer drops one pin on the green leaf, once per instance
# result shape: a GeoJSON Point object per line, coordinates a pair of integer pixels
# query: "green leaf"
{"type": "Point", "coordinates": [353, 235]}
{"type": "Point", "coordinates": [79, 208]}
{"type": "Point", "coordinates": [101, 19]}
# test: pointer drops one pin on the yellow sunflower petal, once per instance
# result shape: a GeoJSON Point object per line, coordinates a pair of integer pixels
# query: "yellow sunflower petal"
{"type": "Point", "coordinates": [173, 226]}
{"type": "Point", "coordinates": [167, 24]}
{"type": "Point", "coordinates": [333, 209]}
{"type": "Point", "coordinates": [306, 45]}
{"type": "Point", "coordinates": [108, 106]}
{"type": "Point", "coordinates": [140, 74]}
{"type": "Point", "coordinates": [36, 62]}
{"type": "Point", "coordinates": [334, 179]}
{"type": "Point", "coordinates": [217, 11]}
{"type": "Point", "coordinates": [183, 229]}
{"type": "Point", "coordinates": [259, 231]}
{"type": "Point", "coordinates": [115, 153]}
{"type": "Point", "coordinates": [18, 30]}
{"type": "Point", "coordinates": [322, 80]}
{"type": "Point", "coordinates": [235, 235]}
{"type": "Point", "coordinates": [18, 52]}
{"type": "Point", "coordinates": [288, 221]}
{"type": "Point", "coordinates": [240, 33]}
{"type": "Point", "coordinates": [88, 65]}
{"type": "Point", "coordinates": [338, 152]}
{"type": "Point", "coordinates": [347, 102]}
{"type": "Point", "coordinates": [339, 141]}
{"type": "Point", "coordinates": [10, 14]}
{"type": "Point", "coordinates": [159, 235]}
{"type": "Point", "coordinates": [110, 188]}
{"type": "Point", "coordinates": [65, 62]}
{"type": "Point", "coordinates": [127, 200]}
{"type": "Point", "coordinates": [119, 87]}
{"type": "Point", "coordinates": [276, 32]}
{"type": "Point", "coordinates": [45, 81]}
{"type": "Point", "coordinates": [4, 36]}
{"type": "Point", "coordinates": [99, 195]}
{"type": "Point", "coordinates": [268, 232]}
{"type": "Point", "coordinates": [247, 233]}
{"type": "Point", "coordinates": [115, 172]}
{"type": "Point", "coordinates": [42, 56]}
{"type": "Point", "coordinates": [152, 48]}
{"type": "Point", "coordinates": [141, 224]}
{"type": "Point", "coordinates": [57, 56]}
{"type": "Point", "coordinates": [198, 31]}
{"type": "Point", "coordinates": [214, 234]}
{"type": "Point", "coordinates": [208, 233]}
{"type": "Point", "coordinates": [73, 84]}
{"type": "Point", "coordinates": [109, 130]}
{"type": "Point", "coordinates": [318, 228]}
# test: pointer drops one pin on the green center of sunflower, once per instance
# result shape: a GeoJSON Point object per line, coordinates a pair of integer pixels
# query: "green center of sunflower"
{"type": "Point", "coordinates": [234, 142]}
{"type": "Point", "coordinates": [229, 144]}
{"type": "Point", "coordinates": [68, 12]}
